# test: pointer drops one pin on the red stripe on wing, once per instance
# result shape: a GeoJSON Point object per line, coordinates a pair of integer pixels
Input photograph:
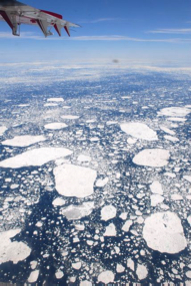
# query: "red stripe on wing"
{"type": "Point", "coordinates": [52, 14]}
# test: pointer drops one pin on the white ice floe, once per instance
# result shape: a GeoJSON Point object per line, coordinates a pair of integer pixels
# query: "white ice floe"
{"type": "Point", "coordinates": [176, 197]}
{"type": "Point", "coordinates": [176, 119]}
{"type": "Point", "coordinates": [74, 181]}
{"type": "Point", "coordinates": [156, 199]}
{"type": "Point", "coordinates": [23, 141]}
{"type": "Point", "coordinates": [35, 157]}
{"type": "Point", "coordinates": [85, 283]}
{"type": "Point", "coordinates": [163, 232]}
{"type": "Point", "coordinates": [77, 212]}
{"type": "Point", "coordinates": [120, 268]}
{"type": "Point", "coordinates": [102, 182]}
{"type": "Point", "coordinates": [12, 251]}
{"type": "Point", "coordinates": [139, 130]}
{"type": "Point", "coordinates": [77, 265]}
{"type": "Point", "coordinates": [110, 230]}
{"type": "Point", "coordinates": [131, 141]}
{"type": "Point", "coordinates": [2, 130]}
{"type": "Point", "coordinates": [59, 274]}
{"type": "Point", "coordinates": [131, 264]}
{"type": "Point", "coordinates": [33, 264]}
{"type": "Point", "coordinates": [127, 225]}
{"type": "Point", "coordinates": [106, 277]}
{"type": "Point", "coordinates": [50, 104]}
{"type": "Point", "coordinates": [108, 212]}
{"type": "Point", "coordinates": [166, 130]}
{"type": "Point", "coordinates": [189, 219]}
{"type": "Point", "coordinates": [58, 202]}
{"type": "Point", "coordinates": [171, 138]}
{"type": "Point", "coordinates": [55, 99]}
{"type": "Point", "coordinates": [141, 271]}
{"type": "Point", "coordinates": [156, 188]}
{"type": "Point", "coordinates": [33, 276]}
{"type": "Point", "coordinates": [55, 126]}
{"type": "Point", "coordinates": [70, 117]}
{"type": "Point", "coordinates": [174, 111]}
{"type": "Point", "coordinates": [152, 158]}
{"type": "Point", "coordinates": [187, 178]}
{"type": "Point", "coordinates": [83, 158]}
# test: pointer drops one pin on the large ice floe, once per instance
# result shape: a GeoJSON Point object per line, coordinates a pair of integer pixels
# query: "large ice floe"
{"type": "Point", "coordinates": [139, 130]}
{"type": "Point", "coordinates": [12, 251]}
{"type": "Point", "coordinates": [174, 111]}
{"type": "Point", "coordinates": [163, 232]}
{"type": "Point", "coordinates": [23, 141]}
{"type": "Point", "coordinates": [74, 181]}
{"type": "Point", "coordinates": [35, 157]}
{"type": "Point", "coordinates": [77, 212]}
{"type": "Point", "coordinates": [55, 126]}
{"type": "Point", "coordinates": [152, 157]}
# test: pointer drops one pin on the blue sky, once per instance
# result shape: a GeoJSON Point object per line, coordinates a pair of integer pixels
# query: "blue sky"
{"type": "Point", "coordinates": [144, 31]}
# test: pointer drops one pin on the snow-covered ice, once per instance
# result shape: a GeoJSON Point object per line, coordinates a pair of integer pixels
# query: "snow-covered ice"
{"type": "Point", "coordinates": [174, 111]}
{"type": "Point", "coordinates": [156, 199]}
{"type": "Point", "coordinates": [163, 232]}
{"type": "Point", "coordinates": [106, 277]}
{"type": "Point", "coordinates": [127, 225]}
{"type": "Point", "coordinates": [35, 157]}
{"type": "Point", "coordinates": [55, 126]}
{"type": "Point", "coordinates": [141, 271]}
{"type": "Point", "coordinates": [108, 212]}
{"type": "Point", "coordinates": [33, 276]}
{"type": "Point", "coordinates": [2, 130]}
{"type": "Point", "coordinates": [74, 181]}
{"type": "Point", "coordinates": [139, 131]}
{"type": "Point", "coordinates": [156, 188]}
{"type": "Point", "coordinates": [23, 141]}
{"type": "Point", "coordinates": [152, 158]}
{"type": "Point", "coordinates": [73, 212]}
{"type": "Point", "coordinates": [110, 230]}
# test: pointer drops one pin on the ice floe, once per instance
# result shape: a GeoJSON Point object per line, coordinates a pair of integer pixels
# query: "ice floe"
{"type": "Point", "coordinates": [141, 271]}
{"type": "Point", "coordinates": [35, 157]}
{"type": "Point", "coordinates": [171, 138]}
{"type": "Point", "coordinates": [70, 117]}
{"type": "Point", "coordinates": [174, 111]}
{"type": "Point", "coordinates": [23, 141]}
{"type": "Point", "coordinates": [152, 158]}
{"type": "Point", "coordinates": [108, 212]}
{"type": "Point", "coordinates": [74, 181]}
{"type": "Point", "coordinates": [127, 225]}
{"type": "Point", "coordinates": [156, 199]}
{"type": "Point", "coordinates": [2, 130]}
{"type": "Point", "coordinates": [163, 232]}
{"type": "Point", "coordinates": [59, 274]}
{"type": "Point", "coordinates": [84, 158]}
{"type": "Point", "coordinates": [167, 130]}
{"type": "Point", "coordinates": [55, 126]}
{"type": "Point", "coordinates": [106, 277]}
{"type": "Point", "coordinates": [12, 251]}
{"type": "Point", "coordinates": [139, 130]}
{"type": "Point", "coordinates": [102, 182]}
{"type": "Point", "coordinates": [156, 188]}
{"type": "Point", "coordinates": [55, 99]}
{"type": "Point", "coordinates": [58, 202]}
{"type": "Point", "coordinates": [33, 276]}
{"type": "Point", "coordinates": [85, 283]}
{"type": "Point", "coordinates": [187, 178]}
{"type": "Point", "coordinates": [73, 212]}
{"type": "Point", "coordinates": [110, 230]}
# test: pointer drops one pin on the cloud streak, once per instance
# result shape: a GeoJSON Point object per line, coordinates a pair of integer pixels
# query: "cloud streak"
{"type": "Point", "coordinates": [171, 31]}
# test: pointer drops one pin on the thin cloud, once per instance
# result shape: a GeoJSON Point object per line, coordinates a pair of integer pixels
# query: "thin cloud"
{"type": "Point", "coordinates": [170, 31]}
{"type": "Point", "coordinates": [100, 20]}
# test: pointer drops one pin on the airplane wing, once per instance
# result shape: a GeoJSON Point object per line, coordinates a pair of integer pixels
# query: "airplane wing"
{"type": "Point", "coordinates": [16, 13]}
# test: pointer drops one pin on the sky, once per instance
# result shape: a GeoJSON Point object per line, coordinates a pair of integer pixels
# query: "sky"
{"type": "Point", "coordinates": [150, 31]}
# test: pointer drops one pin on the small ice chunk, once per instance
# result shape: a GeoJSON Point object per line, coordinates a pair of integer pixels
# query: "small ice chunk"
{"type": "Point", "coordinates": [166, 130]}
{"type": "Point", "coordinates": [156, 188]}
{"type": "Point", "coordinates": [2, 130]}
{"type": "Point", "coordinates": [139, 131]}
{"type": "Point", "coordinates": [77, 265]}
{"type": "Point", "coordinates": [35, 157]}
{"type": "Point", "coordinates": [58, 202]}
{"type": "Point", "coordinates": [142, 271]}
{"type": "Point", "coordinates": [33, 264]}
{"type": "Point", "coordinates": [131, 141]}
{"type": "Point", "coordinates": [156, 199]}
{"type": "Point", "coordinates": [176, 197]}
{"type": "Point", "coordinates": [59, 274]}
{"type": "Point", "coordinates": [85, 283]}
{"type": "Point", "coordinates": [189, 219]}
{"type": "Point", "coordinates": [33, 276]}
{"type": "Point", "coordinates": [171, 138]}
{"type": "Point", "coordinates": [152, 158]}
{"type": "Point", "coordinates": [120, 268]}
{"type": "Point", "coordinates": [70, 117]}
{"type": "Point", "coordinates": [187, 178]}
{"type": "Point", "coordinates": [110, 230]}
{"type": "Point", "coordinates": [130, 264]}
{"type": "Point", "coordinates": [23, 141]}
{"type": "Point", "coordinates": [163, 232]}
{"type": "Point", "coordinates": [74, 181]}
{"type": "Point", "coordinates": [127, 225]}
{"type": "Point", "coordinates": [108, 212]}
{"type": "Point", "coordinates": [101, 183]}
{"type": "Point", "coordinates": [106, 277]}
{"type": "Point", "coordinates": [176, 119]}
{"type": "Point", "coordinates": [76, 212]}
{"type": "Point", "coordinates": [55, 99]}
{"type": "Point", "coordinates": [188, 274]}
{"type": "Point", "coordinates": [83, 158]}
{"type": "Point", "coordinates": [55, 126]}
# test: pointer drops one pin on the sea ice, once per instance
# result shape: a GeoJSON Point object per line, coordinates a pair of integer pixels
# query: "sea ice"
{"type": "Point", "coordinates": [58, 202]}
{"type": "Point", "coordinates": [2, 130]}
{"type": "Point", "coordinates": [166, 130]}
{"type": "Point", "coordinates": [189, 219]}
{"type": "Point", "coordinates": [139, 130]}
{"type": "Point", "coordinates": [187, 178]}
{"type": "Point", "coordinates": [59, 274]}
{"type": "Point", "coordinates": [73, 212]}
{"type": "Point", "coordinates": [77, 265]}
{"type": "Point", "coordinates": [156, 188]}
{"type": "Point", "coordinates": [23, 141]}
{"type": "Point", "coordinates": [174, 111]}
{"type": "Point", "coordinates": [33, 276]}
{"type": "Point", "coordinates": [55, 126]}
{"type": "Point", "coordinates": [163, 232]}
{"type": "Point", "coordinates": [171, 138]}
{"type": "Point", "coordinates": [35, 157]}
{"type": "Point", "coordinates": [85, 283]}
{"type": "Point", "coordinates": [152, 157]}
{"type": "Point", "coordinates": [106, 277]}
{"type": "Point", "coordinates": [74, 181]}
{"type": "Point", "coordinates": [12, 251]}
{"type": "Point", "coordinates": [156, 199]}
{"type": "Point", "coordinates": [55, 99]}
{"type": "Point", "coordinates": [70, 117]}
{"type": "Point", "coordinates": [108, 212]}
{"type": "Point", "coordinates": [127, 225]}
{"type": "Point", "coordinates": [84, 158]}
{"type": "Point", "coordinates": [102, 182]}
{"type": "Point", "coordinates": [142, 271]}
{"type": "Point", "coordinates": [176, 119]}
{"type": "Point", "coordinates": [110, 230]}
{"type": "Point", "coordinates": [120, 268]}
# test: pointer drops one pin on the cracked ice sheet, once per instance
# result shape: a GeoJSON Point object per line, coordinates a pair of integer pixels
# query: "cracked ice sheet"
{"type": "Point", "coordinates": [74, 181]}
{"type": "Point", "coordinates": [164, 232]}
{"type": "Point", "coordinates": [152, 158]}
{"type": "Point", "coordinates": [35, 157]}
{"type": "Point", "coordinates": [23, 141]}
{"type": "Point", "coordinates": [139, 131]}
{"type": "Point", "coordinates": [12, 251]}
{"type": "Point", "coordinates": [77, 212]}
